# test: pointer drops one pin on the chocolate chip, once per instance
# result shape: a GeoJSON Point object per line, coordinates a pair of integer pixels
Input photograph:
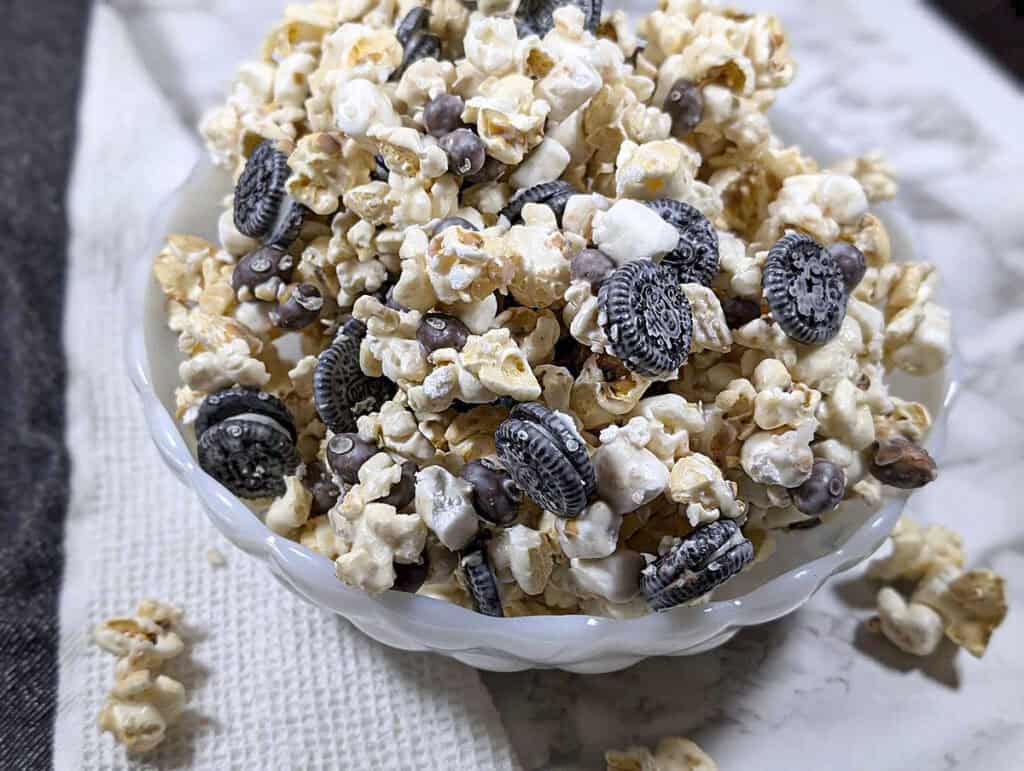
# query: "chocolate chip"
{"type": "Point", "coordinates": [851, 262]}
{"type": "Point", "coordinates": [439, 330]}
{"type": "Point", "coordinates": [404, 490]}
{"type": "Point", "coordinates": [740, 311]}
{"type": "Point", "coordinates": [260, 266]}
{"type": "Point", "coordinates": [323, 489]}
{"type": "Point", "coordinates": [592, 266]}
{"type": "Point", "coordinates": [346, 454]}
{"type": "Point", "coordinates": [493, 171]}
{"type": "Point", "coordinates": [685, 106]}
{"type": "Point", "coordinates": [822, 491]}
{"type": "Point", "coordinates": [495, 496]}
{"type": "Point", "coordinates": [900, 463]}
{"type": "Point", "coordinates": [465, 151]}
{"type": "Point", "coordinates": [443, 114]}
{"type": "Point", "coordinates": [301, 309]}
{"type": "Point", "coordinates": [409, 578]}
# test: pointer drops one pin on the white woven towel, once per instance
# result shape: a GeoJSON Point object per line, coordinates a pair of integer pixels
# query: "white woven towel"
{"type": "Point", "coordinates": [273, 683]}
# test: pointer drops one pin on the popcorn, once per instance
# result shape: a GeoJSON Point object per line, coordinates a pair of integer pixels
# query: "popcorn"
{"type": "Point", "coordinates": [918, 339]}
{"type": "Point", "coordinates": [373, 536]}
{"type": "Point", "coordinates": [710, 330]}
{"type": "Point", "coordinates": [727, 436]}
{"type": "Point", "coordinates": [540, 257]}
{"type": "Point", "coordinates": [671, 420]}
{"type": "Point", "coordinates": [965, 607]}
{"type": "Point", "coordinates": [490, 45]}
{"type": "Point", "coordinates": [390, 346]}
{"type": "Point", "coordinates": [408, 152]}
{"type": "Point", "coordinates": [615, 578]}
{"type": "Point", "coordinates": [446, 505]}
{"type": "Point", "coordinates": [842, 416]}
{"type": "Point", "coordinates": [628, 474]}
{"type": "Point", "coordinates": [318, 535]}
{"type": "Point", "coordinates": [231, 364]}
{"type": "Point", "coordinates": [139, 709]}
{"type": "Point", "coordinates": [545, 163]}
{"type": "Point", "coordinates": [291, 510]}
{"type": "Point", "coordinates": [567, 86]}
{"type": "Point", "coordinates": [660, 169]}
{"type": "Point", "coordinates": [324, 169]}
{"type": "Point", "coordinates": [524, 555]}
{"type": "Point", "coordinates": [631, 231]}
{"type": "Point", "coordinates": [535, 332]}
{"type": "Point", "coordinates": [592, 535]}
{"type": "Point", "coordinates": [142, 703]}
{"type": "Point", "coordinates": [395, 428]}
{"type": "Point", "coordinates": [471, 435]}
{"type": "Point", "coordinates": [971, 605]}
{"type": "Point", "coordinates": [672, 754]}
{"type": "Point", "coordinates": [784, 458]}
{"type": "Point", "coordinates": [917, 551]}
{"type": "Point", "coordinates": [499, 364]}
{"type": "Point", "coordinates": [509, 119]}
{"type": "Point", "coordinates": [698, 484]}
{"type": "Point", "coordinates": [817, 204]}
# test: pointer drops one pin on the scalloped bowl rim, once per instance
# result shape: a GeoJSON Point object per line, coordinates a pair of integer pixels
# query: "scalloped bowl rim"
{"type": "Point", "coordinates": [312, 576]}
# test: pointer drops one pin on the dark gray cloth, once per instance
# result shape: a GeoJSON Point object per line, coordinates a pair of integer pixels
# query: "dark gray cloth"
{"type": "Point", "coordinates": [41, 47]}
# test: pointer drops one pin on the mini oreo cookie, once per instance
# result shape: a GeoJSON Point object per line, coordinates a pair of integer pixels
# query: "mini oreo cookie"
{"type": "Point", "coordinates": [260, 190]}
{"type": "Point", "coordinates": [287, 224]}
{"type": "Point", "coordinates": [380, 170]}
{"type": "Point", "coordinates": [552, 194]}
{"type": "Point", "coordinates": [232, 402]}
{"type": "Point", "coordinates": [414, 22]}
{"type": "Point", "coordinates": [248, 454]}
{"type": "Point", "coordinates": [695, 258]}
{"type": "Point", "coordinates": [564, 431]}
{"type": "Point", "coordinates": [421, 45]}
{"type": "Point", "coordinates": [546, 459]}
{"type": "Point", "coordinates": [805, 289]}
{"type": "Point", "coordinates": [537, 17]}
{"type": "Point", "coordinates": [481, 582]}
{"type": "Point", "coordinates": [647, 318]}
{"type": "Point", "coordinates": [409, 578]}
{"type": "Point", "coordinates": [341, 391]}
{"type": "Point", "coordinates": [696, 564]}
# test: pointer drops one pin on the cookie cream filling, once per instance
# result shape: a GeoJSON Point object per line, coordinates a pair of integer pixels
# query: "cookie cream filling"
{"type": "Point", "coordinates": [263, 420]}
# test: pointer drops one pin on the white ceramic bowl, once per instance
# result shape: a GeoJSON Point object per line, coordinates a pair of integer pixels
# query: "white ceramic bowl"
{"type": "Point", "coordinates": [803, 561]}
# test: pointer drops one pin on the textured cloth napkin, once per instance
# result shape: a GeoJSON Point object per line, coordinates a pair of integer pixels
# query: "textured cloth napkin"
{"type": "Point", "coordinates": [273, 682]}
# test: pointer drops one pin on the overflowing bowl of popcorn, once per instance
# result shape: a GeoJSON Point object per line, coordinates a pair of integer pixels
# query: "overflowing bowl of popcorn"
{"type": "Point", "coordinates": [522, 335]}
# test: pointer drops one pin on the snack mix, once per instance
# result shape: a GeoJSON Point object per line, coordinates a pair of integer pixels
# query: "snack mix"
{"type": "Point", "coordinates": [143, 702]}
{"type": "Point", "coordinates": [519, 309]}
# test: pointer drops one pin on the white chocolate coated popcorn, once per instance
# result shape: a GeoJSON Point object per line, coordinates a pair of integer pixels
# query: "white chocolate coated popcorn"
{"type": "Point", "coordinates": [577, 121]}
{"type": "Point", "coordinates": [631, 231]}
{"type": "Point", "coordinates": [591, 535]}
{"type": "Point", "coordinates": [446, 505]}
{"type": "Point", "coordinates": [615, 578]}
{"type": "Point", "coordinates": [524, 555]}
{"type": "Point", "coordinates": [628, 474]}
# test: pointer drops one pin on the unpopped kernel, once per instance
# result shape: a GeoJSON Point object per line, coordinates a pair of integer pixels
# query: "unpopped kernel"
{"type": "Point", "coordinates": [551, 324]}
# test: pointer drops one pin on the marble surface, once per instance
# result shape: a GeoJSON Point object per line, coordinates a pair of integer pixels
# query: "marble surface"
{"type": "Point", "coordinates": [814, 690]}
